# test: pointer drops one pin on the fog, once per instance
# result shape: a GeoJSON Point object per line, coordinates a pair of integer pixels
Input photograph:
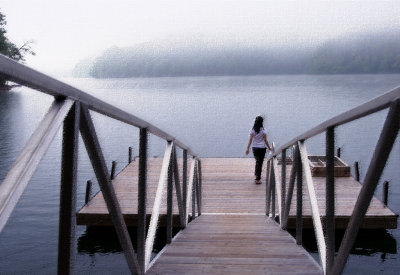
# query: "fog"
{"type": "Point", "coordinates": [67, 31]}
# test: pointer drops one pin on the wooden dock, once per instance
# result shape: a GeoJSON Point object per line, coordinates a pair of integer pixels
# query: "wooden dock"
{"type": "Point", "coordinates": [228, 188]}
{"type": "Point", "coordinates": [234, 244]}
{"type": "Point", "coordinates": [233, 235]}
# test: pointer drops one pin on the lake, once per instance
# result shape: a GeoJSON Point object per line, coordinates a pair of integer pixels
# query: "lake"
{"type": "Point", "coordinates": [213, 115]}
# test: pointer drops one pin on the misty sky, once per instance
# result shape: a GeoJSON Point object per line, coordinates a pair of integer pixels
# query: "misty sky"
{"type": "Point", "coordinates": [66, 31]}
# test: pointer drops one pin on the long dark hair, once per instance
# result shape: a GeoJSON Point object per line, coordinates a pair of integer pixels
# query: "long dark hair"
{"type": "Point", "coordinates": [258, 124]}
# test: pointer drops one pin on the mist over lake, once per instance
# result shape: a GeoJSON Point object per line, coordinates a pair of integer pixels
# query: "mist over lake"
{"type": "Point", "coordinates": [354, 53]}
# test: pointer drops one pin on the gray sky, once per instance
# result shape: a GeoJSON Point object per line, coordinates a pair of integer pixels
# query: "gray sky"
{"type": "Point", "coordinates": [66, 31]}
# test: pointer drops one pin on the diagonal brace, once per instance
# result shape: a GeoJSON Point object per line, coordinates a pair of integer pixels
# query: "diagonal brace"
{"type": "Point", "coordinates": [92, 144]}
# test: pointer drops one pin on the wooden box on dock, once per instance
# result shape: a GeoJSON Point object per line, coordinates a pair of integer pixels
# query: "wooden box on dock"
{"type": "Point", "coordinates": [318, 167]}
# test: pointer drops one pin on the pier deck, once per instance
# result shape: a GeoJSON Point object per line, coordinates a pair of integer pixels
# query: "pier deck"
{"type": "Point", "coordinates": [228, 188]}
{"type": "Point", "coordinates": [234, 244]}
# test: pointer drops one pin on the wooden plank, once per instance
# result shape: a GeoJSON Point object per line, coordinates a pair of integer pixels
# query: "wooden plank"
{"type": "Point", "coordinates": [233, 244]}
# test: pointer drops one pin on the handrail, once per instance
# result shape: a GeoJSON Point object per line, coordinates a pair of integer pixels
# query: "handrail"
{"type": "Point", "coordinates": [300, 168]}
{"type": "Point", "coordinates": [31, 78]}
{"type": "Point", "coordinates": [71, 108]}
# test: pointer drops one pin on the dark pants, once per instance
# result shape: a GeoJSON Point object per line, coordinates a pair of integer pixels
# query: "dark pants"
{"type": "Point", "coordinates": [259, 154]}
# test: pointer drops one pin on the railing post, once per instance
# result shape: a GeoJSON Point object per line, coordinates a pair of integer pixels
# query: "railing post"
{"type": "Point", "coordinates": [293, 152]}
{"type": "Point", "coordinates": [288, 202]}
{"type": "Point", "coordinates": [88, 193]}
{"type": "Point", "coordinates": [267, 174]}
{"type": "Point", "coordinates": [357, 171]}
{"type": "Point", "coordinates": [66, 238]}
{"type": "Point", "coordinates": [198, 189]}
{"type": "Point", "coordinates": [130, 155]}
{"type": "Point", "coordinates": [385, 193]}
{"type": "Point", "coordinates": [194, 191]}
{"type": "Point", "coordinates": [283, 186]}
{"type": "Point", "coordinates": [184, 185]}
{"type": "Point", "coordinates": [273, 187]}
{"type": "Point", "coordinates": [178, 189]}
{"type": "Point", "coordinates": [170, 190]}
{"type": "Point", "coordinates": [113, 167]}
{"type": "Point", "coordinates": [330, 198]}
{"type": "Point", "coordinates": [142, 198]}
{"type": "Point", "coordinates": [299, 206]}
{"type": "Point", "coordinates": [268, 188]}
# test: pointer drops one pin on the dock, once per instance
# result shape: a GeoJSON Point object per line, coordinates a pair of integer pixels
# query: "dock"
{"type": "Point", "coordinates": [234, 244]}
{"type": "Point", "coordinates": [228, 188]}
{"type": "Point", "coordinates": [233, 234]}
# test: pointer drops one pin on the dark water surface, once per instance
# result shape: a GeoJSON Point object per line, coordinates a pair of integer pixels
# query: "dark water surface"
{"type": "Point", "coordinates": [213, 116]}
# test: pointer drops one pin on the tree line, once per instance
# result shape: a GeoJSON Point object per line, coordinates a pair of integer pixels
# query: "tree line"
{"type": "Point", "coordinates": [11, 50]}
{"type": "Point", "coordinates": [365, 53]}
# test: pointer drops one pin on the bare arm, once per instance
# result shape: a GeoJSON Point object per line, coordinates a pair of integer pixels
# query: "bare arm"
{"type": "Point", "coordinates": [267, 143]}
{"type": "Point", "coordinates": [248, 145]}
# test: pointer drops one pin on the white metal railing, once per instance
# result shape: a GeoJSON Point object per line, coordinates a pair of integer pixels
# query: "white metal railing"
{"type": "Point", "coordinates": [169, 174]}
{"type": "Point", "coordinates": [301, 171]}
{"type": "Point", "coordinates": [71, 109]}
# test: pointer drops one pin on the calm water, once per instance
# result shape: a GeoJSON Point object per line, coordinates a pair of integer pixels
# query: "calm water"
{"type": "Point", "coordinates": [211, 114]}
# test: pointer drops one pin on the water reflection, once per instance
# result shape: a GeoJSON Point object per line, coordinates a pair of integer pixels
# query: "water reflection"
{"type": "Point", "coordinates": [9, 117]}
{"type": "Point", "coordinates": [101, 240]}
{"type": "Point", "coordinates": [367, 243]}
{"type": "Point", "coordinates": [104, 240]}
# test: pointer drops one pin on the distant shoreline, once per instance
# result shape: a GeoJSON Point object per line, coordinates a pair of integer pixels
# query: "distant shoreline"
{"type": "Point", "coordinates": [236, 75]}
{"type": "Point", "coordinates": [369, 53]}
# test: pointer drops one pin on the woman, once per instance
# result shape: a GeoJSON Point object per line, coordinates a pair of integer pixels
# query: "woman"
{"type": "Point", "coordinates": [258, 137]}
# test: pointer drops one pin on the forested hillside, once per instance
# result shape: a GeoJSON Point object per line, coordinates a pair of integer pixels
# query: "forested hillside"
{"type": "Point", "coordinates": [373, 53]}
{"type": "Point", "coordinates": [366, 53]}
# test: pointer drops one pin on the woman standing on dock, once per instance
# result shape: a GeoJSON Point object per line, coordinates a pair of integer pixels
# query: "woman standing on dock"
{"type": "Point", "coordinates": [258, 137]}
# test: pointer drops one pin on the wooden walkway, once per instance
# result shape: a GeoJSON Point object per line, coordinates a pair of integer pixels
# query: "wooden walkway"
{"type": "Point", "coordinates": [228, 188]}
{"type": "Point", "coordinates": [234, 244]}
{"type": "Point", "coordinates": [233, 235]}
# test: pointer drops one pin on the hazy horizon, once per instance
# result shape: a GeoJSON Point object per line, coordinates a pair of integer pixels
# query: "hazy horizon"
{"type": "Point", "coordinates": [70, 31]}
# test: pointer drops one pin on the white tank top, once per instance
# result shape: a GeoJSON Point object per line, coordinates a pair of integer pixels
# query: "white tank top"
{"type": "Point", "coordinates": [258, 138]}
